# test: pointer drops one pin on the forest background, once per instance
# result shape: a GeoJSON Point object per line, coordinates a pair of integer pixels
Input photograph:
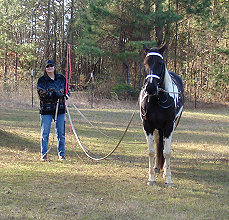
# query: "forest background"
{"type": "Point", "coordinates": [106, 38]}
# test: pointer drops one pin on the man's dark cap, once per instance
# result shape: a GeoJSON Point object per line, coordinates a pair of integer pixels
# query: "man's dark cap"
{"type": "Point", "coordinates": [49, 62]}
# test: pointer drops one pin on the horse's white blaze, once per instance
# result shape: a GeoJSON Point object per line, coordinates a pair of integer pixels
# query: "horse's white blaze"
{"type": "Point", "coordinates": [151, 76]}
{"type": "Point", "coordinates": [151, 79]}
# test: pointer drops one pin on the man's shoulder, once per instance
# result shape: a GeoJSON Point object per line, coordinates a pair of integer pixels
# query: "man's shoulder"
{"type": "Point", "coordinates": [59, 75]}
{"type": "Point", "coordinates": [42, 78]}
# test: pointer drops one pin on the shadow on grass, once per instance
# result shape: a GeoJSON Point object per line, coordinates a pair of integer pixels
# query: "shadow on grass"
{"type": "Point", "coordinates": [14, 140]}
{"type": "Point", "coordinates": [81, 194]}
{"type": "Point", "coordinates": [206, 168]}
{"type": "Point", "coordinates": [75, 194]}
{"type": "Point", "coordinates": [212, 171]}
{"type": "Point", "coordinates": [204, 175]}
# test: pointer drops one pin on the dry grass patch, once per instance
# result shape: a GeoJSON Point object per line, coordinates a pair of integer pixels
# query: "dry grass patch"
{"type": "Point", "coordinates": [115, 188]}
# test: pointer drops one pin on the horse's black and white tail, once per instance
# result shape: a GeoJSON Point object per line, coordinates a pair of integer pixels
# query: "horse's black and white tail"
{"type": "Point", "coordinates": [159, 144]}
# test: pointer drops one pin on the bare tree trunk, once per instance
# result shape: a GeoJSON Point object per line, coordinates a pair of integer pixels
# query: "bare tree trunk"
{"type": "Point", "coordinates": [147, 5]}
{"type": "Point", "coordinates": [15, 73]}
{"type": "Point", "coordinates": [127, 72]}
{"type": "Point", "coordinates": [70, 40]}
{"type": "Point", "coordinates": [5, 69]}
{"type": "Point", "coordinates": [55, 30]}
{"type": "Point", "coordinates": [158, 25]}
{"type": "Point", "coordinates": [63, 58]}
{"type": "Point", "coordinates": [140, 77]}
{"type": "Point", "coordinates": [47, 52]}
{"type": "Point", "coordinates": [33, 36]}
{"type": "Point", "coordinates": [135, 74]}
{"type": "Point", "coordinates": [176, 36]}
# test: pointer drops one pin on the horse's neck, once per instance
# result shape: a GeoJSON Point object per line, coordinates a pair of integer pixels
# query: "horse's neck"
{"type": "Point", "coordinates": [167, 80]}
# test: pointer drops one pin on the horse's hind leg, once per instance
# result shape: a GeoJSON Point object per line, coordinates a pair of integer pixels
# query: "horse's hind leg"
{"type": "Point", "coordinates": [151, 149]}
{"type": "Point", "coordinates": [167, 155]}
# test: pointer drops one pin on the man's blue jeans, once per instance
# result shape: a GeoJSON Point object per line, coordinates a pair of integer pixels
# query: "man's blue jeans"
{"type": "Point", "coordinates": [46, 121]}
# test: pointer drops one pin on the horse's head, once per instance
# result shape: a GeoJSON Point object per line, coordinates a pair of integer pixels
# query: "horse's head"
{"type": "Point", "coordinates": [155, 67]}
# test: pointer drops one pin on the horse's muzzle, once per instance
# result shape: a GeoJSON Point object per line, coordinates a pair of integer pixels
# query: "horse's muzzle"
{"type": "Point", "coordinates": [152, 90]}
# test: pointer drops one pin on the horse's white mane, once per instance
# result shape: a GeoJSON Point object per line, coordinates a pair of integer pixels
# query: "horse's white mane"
{"type": "Point", "coordinates": [167, 80]}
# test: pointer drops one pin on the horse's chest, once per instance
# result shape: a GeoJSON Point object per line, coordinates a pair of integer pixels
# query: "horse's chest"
{"type": "Point", "coordinates": [159, 117]}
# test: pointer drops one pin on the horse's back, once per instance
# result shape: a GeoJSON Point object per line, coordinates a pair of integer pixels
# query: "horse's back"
{"type": "Point", "coordinates": [177, 80]}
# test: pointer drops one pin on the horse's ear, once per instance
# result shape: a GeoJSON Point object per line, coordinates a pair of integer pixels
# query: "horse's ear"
{"type": "Point", "coordinates": [146, 49]}
{"type": "Point", "coordinates": [162, 48]}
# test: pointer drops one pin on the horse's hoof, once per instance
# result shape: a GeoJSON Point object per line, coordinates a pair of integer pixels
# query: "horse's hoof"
{"type": "Point", "coordinates": [151, 183]}
{"type": "Point", "coordinates": [169, 185]}
{"type": "Point", "coordinates": [157, 170]}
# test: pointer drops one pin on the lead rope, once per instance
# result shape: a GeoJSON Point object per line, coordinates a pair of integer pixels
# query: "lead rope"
{"type": "Point", "coordinates": [82, 115]}
{"type": "Point", "coordinates": [68, 80]}
{"type": "Point", "coordinates": [162, 90]}
{"type": "Point", "coordinates": [85, 150]}
{"type": "Point", "coordinates": [101, 132]}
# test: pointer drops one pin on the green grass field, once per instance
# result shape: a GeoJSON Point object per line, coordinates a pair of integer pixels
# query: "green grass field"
{"type": "Point", "coordinates": [115, 188]}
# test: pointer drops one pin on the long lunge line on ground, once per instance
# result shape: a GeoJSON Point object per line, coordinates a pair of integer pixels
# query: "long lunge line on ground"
{"type": "Point", "coordinates": [109, 137]}
{"type": "Point", "coordinates": [85, 149]}
{"type": "Point", "coordinates": [89, 121]}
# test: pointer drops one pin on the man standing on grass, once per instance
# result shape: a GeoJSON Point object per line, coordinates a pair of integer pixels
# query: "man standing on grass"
{"type": "Point", "coordinates": [51, 88]}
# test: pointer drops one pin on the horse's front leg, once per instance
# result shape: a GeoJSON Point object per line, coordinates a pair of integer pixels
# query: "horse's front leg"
{"type": "Point", "coordinates": [151, 149]}
{"type": "Point", "coordinates": [167, 155]}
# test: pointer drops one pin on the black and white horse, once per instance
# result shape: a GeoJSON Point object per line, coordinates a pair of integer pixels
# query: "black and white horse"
{"type": "Point", "coordinates": [161, 105]}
